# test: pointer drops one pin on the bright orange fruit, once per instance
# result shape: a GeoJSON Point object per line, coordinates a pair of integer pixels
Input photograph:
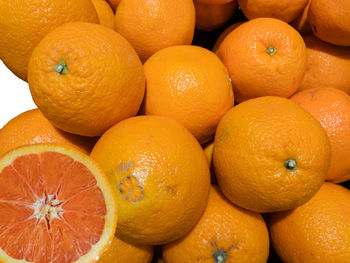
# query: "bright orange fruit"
{"type": "Point", "coordinates": [331, 107]}
{"type": "Point", "coordinates": [264, 57]}
{"type": "Point", "coordinates": [318, 231]}
{"type": "Point", "coordinates": [24, 23]}
{"type": "Point", "coordinates": [160, 176]}
{"type": "Point", "coordinates": [105, 13]}
{"type": "Point", "coordinates": [270, 154]}
{"type": "Point", "coordinates": [56, 205]}
{"type": "Point", "coordinates": [31, 127]}
{"type": "Point", "coordinates": [191, 85]}
{"type": "Point", "coordinates": [85, 78]}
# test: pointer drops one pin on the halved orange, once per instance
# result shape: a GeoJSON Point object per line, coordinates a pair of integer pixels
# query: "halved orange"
{"type": "Point", "coordinates": [56, 206]}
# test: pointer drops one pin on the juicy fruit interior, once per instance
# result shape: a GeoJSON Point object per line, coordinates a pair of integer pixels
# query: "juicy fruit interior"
{"type": "Point", "coordinates": [51, 208]}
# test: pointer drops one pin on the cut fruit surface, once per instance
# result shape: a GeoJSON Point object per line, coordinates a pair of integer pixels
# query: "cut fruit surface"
{"type": "Point", "coordinates": [56, 205]}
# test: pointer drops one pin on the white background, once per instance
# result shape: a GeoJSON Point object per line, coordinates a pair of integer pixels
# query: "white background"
{"type": "Point", "coordinates": [15, 96]}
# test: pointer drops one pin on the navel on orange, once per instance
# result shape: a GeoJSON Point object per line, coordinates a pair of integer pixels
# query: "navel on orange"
{"type": "Point", "coordinates": [56, 205]}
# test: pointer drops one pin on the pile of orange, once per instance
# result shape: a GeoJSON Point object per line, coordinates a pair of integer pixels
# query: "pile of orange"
{"type": "Point", "coordinates": [177, 131]}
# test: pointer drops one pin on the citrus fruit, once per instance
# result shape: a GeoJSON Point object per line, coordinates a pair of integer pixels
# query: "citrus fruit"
{"type": "Point", "coordinates": [56, 206]}
{"type": "Point", "coordinates": [85, 78]}
{"type": "Point", "coordinates": [331, 107]}
{"type": "Point", "coordinates": [301, 23]}
{"type": "Point", "coordinates": [105, 13]}
{"type": "Point", "coordinates": [318, 231]}
{"type": "Point", "coordinates": [31, 127]}
{"type": "Point", "coordinates": [208, 150]}
{"type": "Point", "coordinates": [122, 252]}
{"type": "Point", "coordinates": [212, 16]}
{"type": "Point", "coordinates": [24, 23]}
{"type": "Point", "coordinates": [284, 10]}
{"type": "Point", "coordinates": [328, 66]}
{"type": "Point", "coordinates": [151, 25]}
{"type": "Point", "coordinates": [330, 21]}
{"type": "Point", "coordinates": [224, 34]}
{"type": "Point", "coordinates": [189, 84]}
{"type": "Point", "coordinates": [160, 176]}
{"type": "Point", "coordinates": [270, 154]}
{"type": "Point", "coordinates": [214, 2]}
{"type": "Point", "coordinates": [114, 4]}
{"type": "Point", "coordinates": [264, 57]}
{"type": "Point", "coordinates": [224, 233]}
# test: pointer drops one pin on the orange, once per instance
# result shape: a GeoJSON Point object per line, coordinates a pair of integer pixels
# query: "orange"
{"type": "Point", "coordinates": [264, 56]}
{"type": "Point", "coordinates": [284, 10]}
{"type": "Point", "coordinates": [85, 78]}
{"type": "Point", "coordinates": [114, 4]}
{"type": "Point", "coordinates": [213, 16]}
{"type": "Point", "coordinates": [330, 21]}
{"type": "Point", "coordinates": [214, 2]}
{"type": "Point", "coordinates": [56, 205]}
{"type": "Point", "coordinates": [105, 13]}
{"type": "Point", "coordinates": [31, 127]}
{"type": "Point", "coordinates": [331, 107]}
{"type": "Point", "coordinates": [160, 176]}
{"type": "Point", "coordinates": [208, 150]}
{"type": "Point", "coordinates": [224, 233]}
{"type": "Point", "coordinates": [318, 231]}
{"type": "Point", "coordinates": [24, 23]}
{"type": "Point", "coordinates": [191, 85]}
{"type": "Point", "coordinates": [123, 252]}
{"type": "Point", "coordinates": [151, 25]}
{"type": "Point", "coordinates": [301, 23]}
{"type": "Point", "coordinates": [328, 66]}
{"type": "Point", "coordinates": [224, 34]}
{"type": "Point", "coordinates": [270, 155]}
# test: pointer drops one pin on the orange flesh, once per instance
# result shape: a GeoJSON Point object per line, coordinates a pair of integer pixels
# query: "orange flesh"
{"type": "Point", "coordinates": [51, 209]}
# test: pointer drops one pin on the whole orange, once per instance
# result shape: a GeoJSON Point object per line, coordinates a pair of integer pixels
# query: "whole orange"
{"type": "Point", "coordinates": [284, 10]}
{"type": "Point", "coordinates": [120, 251]}
{"type": "Point", "coordinates": [264, 56]}
{"type": "Point", "coordinates": [212, 16]}
{"type": "Point", "coordinates": [105, 13]}
{"type": "Point", "coordinates": [85, 78]}
{"type": "Point", "coordinates": [224, 34]}
{"type": "Point", "coordinates": [301, 23]}
{"type": "Point", "coordinates": [331, 107]}
{"type": "Point", "coordinates": [224, 233]}
{"type": "Point", "coordinates": [318, 231]}
{"type": "Point", "coordinates": [31, 127]}
{"type": "Point", "coordinates": [191, 85]}
{"type": "Point", "coordinates": [151, 25]}
{"type": "Point", "coordinates": [160, 176]}
{"type": "Point", "coordinates": [114, 4]}
{"type": "Point", "coordinates": [328, 66]}
{"type": "Point", "coordinates": [330, 21]}
{"type": "Point", "coordinates": [24, 23]}
{"type": "Point", "coordinates": [270, 154]}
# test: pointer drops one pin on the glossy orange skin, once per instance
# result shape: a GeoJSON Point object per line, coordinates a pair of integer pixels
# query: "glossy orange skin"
{"type": "Point", "coordinates": [318, 231]}
{"type": "Point", "coordinates": [240, 233]}
{"type": "Point", "coordinates": [252, 143]}
{"type": "Point", "coordinates": [331, 107]}
{"type": "Point", "coordinates": [254, 71]}
{"type": "Point", "coordinates": [24, 23]}
{"type": "Point", "coordinates": [284, 10]}
{"type": "Point", "coordinates": [301, 23]}
{"type": "Point", "coordinates": [122, 252]}
{"type": "Point", "coordinates": [104, 82]}
{"type": "Point", "coordinates": [213, 16]}
{"type": "Point", "coordinates": [214, 2]}
{"type": "Point", "coordinates": [328, 66]}
{"type": "Point", "coordinates": [31, 127]}
{"type": "Point", "coordinates": [224, 34]}
{"type": "Point", "coordinates": [105, 13]}
{"type": "Point", "coordinates": [330, 21]}
{"type": "Point", "coordinates": [191, 85]}
{"type": "Point", "coordinates": [170, 170]}
{"type": "Point", "coordinates": [151, 25]}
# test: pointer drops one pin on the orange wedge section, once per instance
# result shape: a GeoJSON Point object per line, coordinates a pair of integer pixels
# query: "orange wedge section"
{"type": "Point", "coordinates": [56, 205]}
